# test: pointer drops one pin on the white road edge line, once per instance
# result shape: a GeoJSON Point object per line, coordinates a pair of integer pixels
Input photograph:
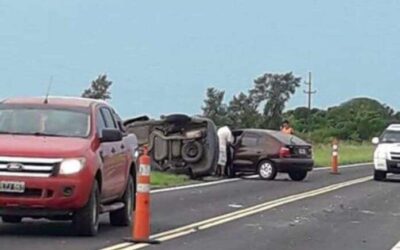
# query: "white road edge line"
{"type": "Point", "coordinates": [397, 246]}
{"type": "Point", "coordinates": [163, 190]}
{"type": "Point", "coordinates": [345, 166]}
{"type": "Point", "coordinates": [225, 218]}
{"type": "Point", "coordinates": [211, 183]}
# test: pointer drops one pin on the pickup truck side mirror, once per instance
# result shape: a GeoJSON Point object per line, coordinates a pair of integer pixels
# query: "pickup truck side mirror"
{"type": "Point", "coordinates": [110, 135]}
{"type": "Point", "coordinates": [375, 140]}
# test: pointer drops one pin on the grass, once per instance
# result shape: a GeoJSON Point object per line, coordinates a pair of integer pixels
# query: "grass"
{"type": "Point", "coordinates": [161, 179]}
{"type": "Point", "coordinates": [349, 153]}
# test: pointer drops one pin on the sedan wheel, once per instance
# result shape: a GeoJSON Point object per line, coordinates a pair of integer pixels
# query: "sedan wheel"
{"type": "Point", "coordinates": [298, 175]}
{"type": "Point", "coordinates": [267, 170]}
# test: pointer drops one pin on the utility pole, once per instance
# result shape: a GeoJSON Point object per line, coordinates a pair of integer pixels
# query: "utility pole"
{"type": "Point", "coordinates": [309, 93]}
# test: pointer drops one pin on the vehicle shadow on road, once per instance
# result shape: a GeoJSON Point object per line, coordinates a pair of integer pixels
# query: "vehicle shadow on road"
{"type": "Point", "coordinates": [392, 180]}
{"type": "Point", "coordinates": [278, 179]}
{"type": "Point", "coordinates": [44, 229]}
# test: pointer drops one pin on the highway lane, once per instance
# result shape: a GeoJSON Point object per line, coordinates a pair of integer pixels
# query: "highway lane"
{"type": "Point", "coordinates": [173, 209]}
{"type": "Point", "coordinates": [364, 216]}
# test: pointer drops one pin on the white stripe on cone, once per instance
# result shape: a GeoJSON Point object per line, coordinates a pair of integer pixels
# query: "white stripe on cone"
{"type": "Point", "coordinates": [143, 188]}
{"type": "Point", "coordinates": [144, 170]}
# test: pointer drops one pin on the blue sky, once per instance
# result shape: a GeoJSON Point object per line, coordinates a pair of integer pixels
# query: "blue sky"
{"type": "Point", "coordinates": [162, 55]}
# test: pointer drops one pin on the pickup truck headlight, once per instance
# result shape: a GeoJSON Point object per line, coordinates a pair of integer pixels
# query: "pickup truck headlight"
{"type": "Point", "coordinates": [72, 166]}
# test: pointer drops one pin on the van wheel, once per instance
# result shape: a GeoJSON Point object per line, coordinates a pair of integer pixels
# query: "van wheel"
{"type": "Point", "coordinates": [379, 175]}
{"type": "Point", "coordinates": [298, 175]}
{"type": "Point", "coordinates": [86, 220]}
{"type": "Point", "coordinates": [123, 216]}
{"type": "Point", "coordinates": [267, 170]}
{"type": "Point", "coordinates": [192, 152]}
{"type": "Point", "coordinates": [11, 219]}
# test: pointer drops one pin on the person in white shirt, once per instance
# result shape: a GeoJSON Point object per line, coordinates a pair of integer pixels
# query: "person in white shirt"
{"type": "Point", "coordinates": [225, 138]}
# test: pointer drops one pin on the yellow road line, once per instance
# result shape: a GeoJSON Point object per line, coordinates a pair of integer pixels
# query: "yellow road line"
{"type": "Point", "coordinates": [222, 219]}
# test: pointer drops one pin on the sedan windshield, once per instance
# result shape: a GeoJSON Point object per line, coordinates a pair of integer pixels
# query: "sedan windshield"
{"type": "Point", "coordinates": [390, 136]}
{"type": "Point", "coordinates": [44, 122]}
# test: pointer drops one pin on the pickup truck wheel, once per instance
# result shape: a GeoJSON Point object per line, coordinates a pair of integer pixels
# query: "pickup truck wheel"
{"type": "Point", "coordinates": [298, 175]}
{"type": "Point", "coordinates": [379, 175]}
{"type": "Point", "coordinates": [123, 216]}
{"type": "Point", "coordinates": [267, 170]}
{"type": "Point", "coordinates": [86, 220]}
{"type": "Point", "coordinates": [11, 219]}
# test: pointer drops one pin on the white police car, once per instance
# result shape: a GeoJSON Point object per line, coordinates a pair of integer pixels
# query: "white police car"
{"type": "Point", "coordinates": [387, 153]}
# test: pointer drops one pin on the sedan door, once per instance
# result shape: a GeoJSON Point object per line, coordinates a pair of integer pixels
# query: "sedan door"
{"type": "Point", "coordinates": [247, 152]}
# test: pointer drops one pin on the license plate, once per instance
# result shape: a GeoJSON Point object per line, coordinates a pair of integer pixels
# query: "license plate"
{"type": "Point", "coordinates": [302, 151]}
{"type": "Point", "coordinates": [12, 186]}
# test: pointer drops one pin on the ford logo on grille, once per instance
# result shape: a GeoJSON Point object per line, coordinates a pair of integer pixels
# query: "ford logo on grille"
{"type": "Point", "coordinates": [15, 167]}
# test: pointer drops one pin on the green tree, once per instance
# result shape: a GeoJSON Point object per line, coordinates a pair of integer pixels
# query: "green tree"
{"type": "Point", "coordinates": [299, 118]}
{"type": "Point", "coordinates": [275, 90]}
{"type": "Point", "coordinates": [99, 88]}
{"type": "Point", "coordinates": [359, 119]}
{"type": "Point", "coordinates": [242, 112]}
{"type": "Point", "coordinates": [214, 107]}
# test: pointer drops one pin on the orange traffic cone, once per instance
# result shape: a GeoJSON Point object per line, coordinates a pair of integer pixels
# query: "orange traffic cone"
{"type": "Point", "coordinates": [335, 156]}
{"type": "Point", "coordinates": [141, 228]}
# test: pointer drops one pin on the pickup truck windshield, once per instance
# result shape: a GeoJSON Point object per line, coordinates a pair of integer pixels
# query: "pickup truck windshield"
{"type": "Point", "coordinates": [390, 136]}
{"type": "Point", "coordinates": [44, 122]}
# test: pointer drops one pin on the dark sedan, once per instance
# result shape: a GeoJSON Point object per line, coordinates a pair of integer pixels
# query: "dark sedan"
{"type": "Point", "coordinates": [267, 152]}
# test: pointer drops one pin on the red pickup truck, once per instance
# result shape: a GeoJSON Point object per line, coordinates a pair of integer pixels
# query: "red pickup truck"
{"type": "Point", "coordinates": [65, 159]}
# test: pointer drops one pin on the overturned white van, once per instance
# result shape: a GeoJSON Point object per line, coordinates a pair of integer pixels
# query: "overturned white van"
{"type": "Point", "coordinates": [178, 143]}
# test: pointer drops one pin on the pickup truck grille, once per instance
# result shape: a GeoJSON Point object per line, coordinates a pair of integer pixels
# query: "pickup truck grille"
{"type": "Point", "coordinates": [29, 192]}
{"type": "Point", "coordinates": [28, 167]}
{"type": "Point", "coordinates": [395, 156]}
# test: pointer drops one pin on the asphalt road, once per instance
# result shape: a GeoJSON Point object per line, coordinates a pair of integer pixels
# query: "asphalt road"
{"type": "Point", "coordinates": [360, 216]}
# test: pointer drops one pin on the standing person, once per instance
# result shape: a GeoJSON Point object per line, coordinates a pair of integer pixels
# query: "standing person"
{"type": "Point", "coordinates": [225, 138]}
{"type": "Point", "coordinates": [286, 128]}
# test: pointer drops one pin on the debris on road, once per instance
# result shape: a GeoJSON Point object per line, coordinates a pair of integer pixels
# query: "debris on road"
{"type": "Point", "coordinates": [235, 205]}
{"type": "Point", "coordinates": [368, 212]}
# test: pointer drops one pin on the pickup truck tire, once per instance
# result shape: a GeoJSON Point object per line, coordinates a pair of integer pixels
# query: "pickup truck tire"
{"type": "Point", "coordinates": [11, 219]}
{"type": "Point", "coordinates": [379, 175]}
{"type": "Point", "coordinates": [298, 175]}
{"type": "Point", "coordinates": [267, 170]}
{"type": "Point", "coordinates": [86, 220]}
{"type": "Point", "coordinates": [123, 216]}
